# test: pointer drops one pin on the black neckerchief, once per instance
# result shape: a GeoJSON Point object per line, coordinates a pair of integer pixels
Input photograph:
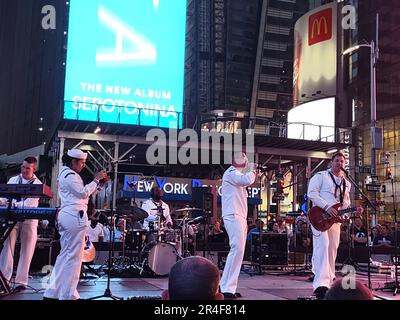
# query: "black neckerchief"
{"type": "Point", "coordinates": [337, 186]}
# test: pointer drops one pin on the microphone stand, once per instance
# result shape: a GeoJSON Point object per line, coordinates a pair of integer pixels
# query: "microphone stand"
{"type": "Point", "coordinates": [107, 292]}
{"type": "Point", "coordinates": [260, 231]}
{"type": "Point", "coordinates": [371, 205]}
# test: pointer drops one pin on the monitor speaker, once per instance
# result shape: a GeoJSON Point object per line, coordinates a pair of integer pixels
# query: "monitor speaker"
{"type": "Point", "coordinates": [269, 248]}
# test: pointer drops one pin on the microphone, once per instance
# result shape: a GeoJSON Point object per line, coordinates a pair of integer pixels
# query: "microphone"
{"type": "Point", "coordinates": [344, 170]}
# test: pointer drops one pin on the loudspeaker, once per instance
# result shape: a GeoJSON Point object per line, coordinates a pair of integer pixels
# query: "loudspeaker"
{"type": "Point", "coordinates": [45, 254]}
{"type": "Point", "coordinates": [204, 198]}
{"type": "Point", "coordinates": [269, 248]}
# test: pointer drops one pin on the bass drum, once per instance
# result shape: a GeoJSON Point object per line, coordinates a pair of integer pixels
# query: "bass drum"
{"type": "Point", "coordinates": [162, 256]}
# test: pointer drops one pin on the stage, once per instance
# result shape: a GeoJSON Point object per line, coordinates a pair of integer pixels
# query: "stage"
{"type": "Point", "coordinates": [271, 285]}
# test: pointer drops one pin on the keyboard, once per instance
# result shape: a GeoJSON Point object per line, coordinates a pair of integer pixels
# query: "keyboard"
{"type": "Point", "coordinates": [19, 214]}
{"type": "Point", "coordinates": [25, 190]}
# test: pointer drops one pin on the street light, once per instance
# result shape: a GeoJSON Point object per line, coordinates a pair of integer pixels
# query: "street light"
{"type": "Point", "coordinates": [374, 55]}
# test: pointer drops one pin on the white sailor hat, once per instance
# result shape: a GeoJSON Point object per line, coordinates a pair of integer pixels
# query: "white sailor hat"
{"type": "Point", "coordinates": [77, 154]}
{"type": "Point", "coordinates": [240, 158]}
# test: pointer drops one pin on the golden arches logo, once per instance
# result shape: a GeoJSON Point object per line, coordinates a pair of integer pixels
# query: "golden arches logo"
{"type": "Point", "coordinates": [317, 23]}
{"type": "Point", "coordinates": [320, 26]}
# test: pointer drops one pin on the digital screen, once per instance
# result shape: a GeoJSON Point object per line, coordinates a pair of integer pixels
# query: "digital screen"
{"type": "Point", "coordinates": [125, 62]}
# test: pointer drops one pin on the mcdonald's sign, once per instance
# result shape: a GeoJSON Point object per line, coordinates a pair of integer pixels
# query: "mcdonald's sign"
{"type": "Point", "coordinates": [320, 26]}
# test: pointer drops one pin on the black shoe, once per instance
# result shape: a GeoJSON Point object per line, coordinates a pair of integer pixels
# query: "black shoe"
{"type": "Point", "coordinates": [238, 295]}
{"type": "Point", "coordinates": [229, 296]}
{"type": "Point", "coordinates": [320, 292]}
{"type": "Point", "coordinates": [311, 278]}
{"type": "Point", "coordinates": [19, 288]}
{"type": "Point", "coordinates": [46, 298]}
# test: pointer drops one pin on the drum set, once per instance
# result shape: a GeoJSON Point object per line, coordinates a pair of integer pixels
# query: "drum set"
{"type": "Point", "coordinates": [153, 251]}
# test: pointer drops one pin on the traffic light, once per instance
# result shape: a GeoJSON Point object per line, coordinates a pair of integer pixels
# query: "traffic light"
{"type": "Point", "coordinates": [388, 173]}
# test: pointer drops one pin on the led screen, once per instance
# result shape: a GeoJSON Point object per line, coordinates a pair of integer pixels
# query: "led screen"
{"type": "Point", "coordinates": [313, 121]}
{"type": "Point", "coordinates": [125, 62]}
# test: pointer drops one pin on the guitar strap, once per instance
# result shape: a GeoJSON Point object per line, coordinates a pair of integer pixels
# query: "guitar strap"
{"type": "Point", "coordinates": [338, 186]}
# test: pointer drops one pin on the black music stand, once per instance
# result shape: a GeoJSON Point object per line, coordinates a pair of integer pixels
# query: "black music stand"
{"type": "Point", "coordinates": [107, 292]}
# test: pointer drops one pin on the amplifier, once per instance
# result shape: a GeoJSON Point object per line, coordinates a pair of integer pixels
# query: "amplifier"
{"type": "Point", "coordinates": [269, 248]}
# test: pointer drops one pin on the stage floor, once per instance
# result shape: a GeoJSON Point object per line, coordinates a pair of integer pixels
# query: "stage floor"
{"type": "Point", "coordinates": [271, 285]}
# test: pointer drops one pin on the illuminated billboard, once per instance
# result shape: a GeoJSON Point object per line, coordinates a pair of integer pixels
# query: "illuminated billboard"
{"type": "Point", "coordinates": [125, 62]}
{"type": "Point", "coordinates": [315, 49]}
{"type": "Point", "coordinates": [313, 120]}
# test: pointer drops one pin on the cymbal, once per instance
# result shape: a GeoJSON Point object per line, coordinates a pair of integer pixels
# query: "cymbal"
{"type": "Point", "coordinates": [188, 209]}
{"type": "Point", "coordinates": [134, 212]}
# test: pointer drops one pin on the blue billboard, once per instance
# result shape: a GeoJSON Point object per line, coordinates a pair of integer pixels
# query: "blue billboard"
{"type": "Point", "coordinates": [125, 62]}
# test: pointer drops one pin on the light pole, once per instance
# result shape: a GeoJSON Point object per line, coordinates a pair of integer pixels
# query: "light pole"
{"type": "Point", "coordinates": [374, 55]}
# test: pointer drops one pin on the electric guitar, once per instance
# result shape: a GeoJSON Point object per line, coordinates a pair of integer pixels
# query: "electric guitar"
{"type": "Point", "coordinates": [322, 220]}
{"type": "Point", "coordinates": [89, 252]}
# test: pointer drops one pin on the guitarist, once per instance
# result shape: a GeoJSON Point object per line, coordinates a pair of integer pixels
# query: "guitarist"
{"type": "Point", "coordinates": [327, 188]}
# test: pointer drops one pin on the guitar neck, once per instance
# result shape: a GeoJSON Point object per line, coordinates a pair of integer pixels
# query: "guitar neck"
{"type": "Point", "coordinates": [344, 211]}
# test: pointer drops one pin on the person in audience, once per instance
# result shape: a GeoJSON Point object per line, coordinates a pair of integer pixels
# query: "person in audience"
{"type": "Point", "coordinates": [193, 278]}
{"type": "Point", "coordinates": [338, 291]}
{"type": "Point", "coordinates": [359, 233]}
{"type": "Point", "coordinates": [304, 239]}
{"type": "Point", "coordinates": [258, 228]}
{"type": "Point", "coordinates": [384, 239]}
{"type": "Point", "coordinates": [373, 234]}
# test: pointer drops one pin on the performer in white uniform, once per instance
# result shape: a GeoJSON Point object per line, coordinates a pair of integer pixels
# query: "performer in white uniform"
{"type": "Point", "coordinates": [234, 213]}
{"type": "Point", "coordinates": [26, 230]}
{"type": "Point", "coordinates": [327, 188]}
{"type": "Point", "coordinates": [72, 224]}
{"type": "Point", "coordinates": [156, 208]}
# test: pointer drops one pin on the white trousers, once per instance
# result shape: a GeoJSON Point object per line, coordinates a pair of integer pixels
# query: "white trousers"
{"type": "Point", "coordinates": [65, 275]}
{"type": "Point", "coordinates": [27, 232]}
{"type": "Point", "coordinates": [236, 227]}
{"type": "Point", "coordinates": [325, 245]}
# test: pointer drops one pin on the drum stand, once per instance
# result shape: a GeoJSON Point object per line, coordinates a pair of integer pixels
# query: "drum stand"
{"type": "Point", "coordinates": [107, 293]}
{"type": "Point", "coordinates": [185, 238]}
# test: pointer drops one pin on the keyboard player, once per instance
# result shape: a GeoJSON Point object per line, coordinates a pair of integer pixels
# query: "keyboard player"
{"type": "Point", "coordinates": [25, 230]}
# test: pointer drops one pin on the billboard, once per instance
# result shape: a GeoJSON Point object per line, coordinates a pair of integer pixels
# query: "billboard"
{"type": "Point", "coordinates": [313, 120]}
{"type": "Point", "coordinates": [177, 189]}
{"type": "Point", "coordinates": [125, 62]}
{"type": "Point", "coordinates": [315, 50]}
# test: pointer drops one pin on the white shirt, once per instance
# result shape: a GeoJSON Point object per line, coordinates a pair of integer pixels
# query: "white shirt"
{"type": "Point", "coordinates": [95, 233]}
{"type": "Point", "coordinates": [73, 193]}
{"type": "Point", "coordinates": [25, 202]}
{"type": "Point", "coordinates": [149, 206]}
{"type": "Point", "coordinates": [234, 192]}
{"type": "Point", "coordinates": [321, 190]}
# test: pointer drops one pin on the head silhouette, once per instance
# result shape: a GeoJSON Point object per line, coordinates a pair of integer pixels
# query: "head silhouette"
{"type": "Point", "coordinates": [193, 278]}
{"type": "Point", "coordinates": [340, 292]}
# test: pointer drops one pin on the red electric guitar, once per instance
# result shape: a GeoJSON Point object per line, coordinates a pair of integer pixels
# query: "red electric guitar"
{"type": "Point", "coordinates": [322, 221]}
